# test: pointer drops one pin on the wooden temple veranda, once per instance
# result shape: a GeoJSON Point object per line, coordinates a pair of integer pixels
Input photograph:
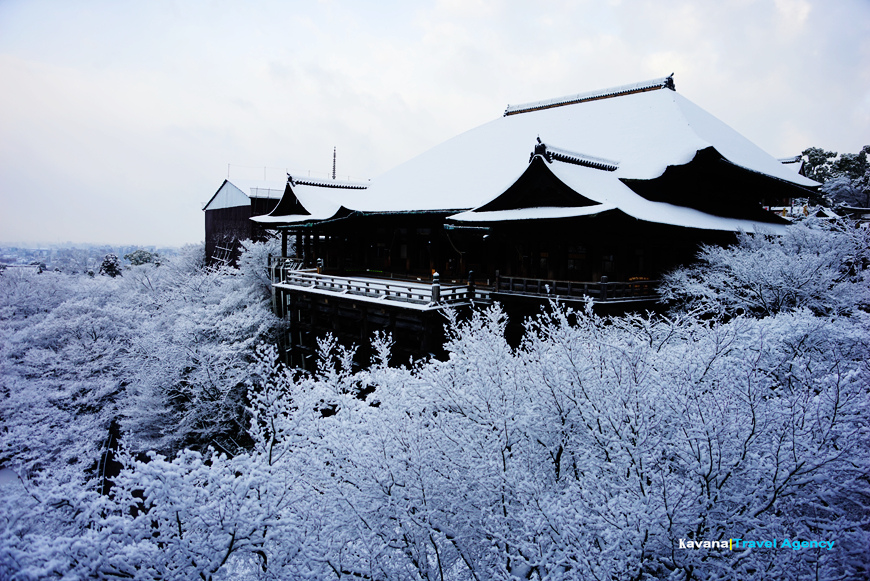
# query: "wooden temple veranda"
{"type": "Point", "coordinates": [592, 195]}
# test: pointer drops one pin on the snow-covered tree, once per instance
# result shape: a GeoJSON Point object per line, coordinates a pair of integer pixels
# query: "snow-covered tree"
{"type": "Point", "coordinates": [186, 382]}
{"type": "Point", "coordinates": [252, 263]}
{"type": "Point", "coordinates": [816, 264]}
{"type": "Point", "coordinates": [848, 191]}
{"type": "Point", "coordinates": [140, 257]}
{"type": "Point", "coordinates": [197, 515]}
{"type": "Point", "coordinates": [64, 348]}
{"type": "Point", "coordinates": [111, 266]}
{"type": "Point", "coordinates": [163, 351]}
{"type": "Point", "coordinates": [817, 164]}
{"type": "Point", "coordinates": [845, 178]}
{"type": "Point", "coordinates": [589, 452]}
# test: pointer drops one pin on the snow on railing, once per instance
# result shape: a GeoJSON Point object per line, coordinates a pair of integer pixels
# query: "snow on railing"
{"type": "Point", "coordinates": [406, 292]}
{"type": "Point", "coordinates": [286, 272]}
{"type": "Point", "coordinates": [279, 266]}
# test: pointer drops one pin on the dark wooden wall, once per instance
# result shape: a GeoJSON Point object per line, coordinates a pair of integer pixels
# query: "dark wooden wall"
{"type": "Point", "coordinates": [583, 249]}
{"type": "Point", "coordinates": [226, 227]}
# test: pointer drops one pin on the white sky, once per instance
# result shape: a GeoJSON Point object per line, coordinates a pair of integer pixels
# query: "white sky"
{"type": "Point", "coordinates": [118, 118]}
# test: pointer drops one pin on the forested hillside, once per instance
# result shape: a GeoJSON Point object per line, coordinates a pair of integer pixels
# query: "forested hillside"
{"type": "Point", "coordinates": [600, 448]}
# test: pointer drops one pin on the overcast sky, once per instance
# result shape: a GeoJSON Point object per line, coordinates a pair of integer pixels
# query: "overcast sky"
{"type": "Point", "coordinates": [118, 119]}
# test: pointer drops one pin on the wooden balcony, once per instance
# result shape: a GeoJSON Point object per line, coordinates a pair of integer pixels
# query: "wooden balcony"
{"type": "Point", "coordinates": [414, 294]}
{"type": "Point", "coordinates": [602, 291]}
{"type": "Point", "coordinates": [288, 275]}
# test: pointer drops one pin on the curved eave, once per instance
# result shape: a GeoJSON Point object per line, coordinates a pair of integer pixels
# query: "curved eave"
{"type": "Point", "coordinates": [611, 190]}
{"type": "Point", "coordinates": [309, 201]}
{"type": "Point", "coordinates": [282, 220]}
{"type": "Point", "coordinates": [733, 146]}
{"type": "Point", "coordinates": [547, 213]}
{"type": "Point", "coordinates": [671, 215]}
{"type": "Point", "coordinates": [716, 185]}
{"type": "Point", "coordinates": [303, 220]}
{"type": "Point", "coordinates": [655, 213]}
{"type": "Point", "coordinates": [809, 187]}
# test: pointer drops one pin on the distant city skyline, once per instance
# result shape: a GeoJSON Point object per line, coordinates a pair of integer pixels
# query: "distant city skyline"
{"type": "Point", "coordinates": [122, 119]}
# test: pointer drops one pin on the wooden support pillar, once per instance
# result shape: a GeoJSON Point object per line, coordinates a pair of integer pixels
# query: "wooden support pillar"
{"type": "Point", "coordinates": [436, 288]}
{"type": "Point", "coordinates": [283, 244]}
{"type": "Point", "coordinates": [342, 256]}
{"type": "Point", "coordinates": [306, 252]}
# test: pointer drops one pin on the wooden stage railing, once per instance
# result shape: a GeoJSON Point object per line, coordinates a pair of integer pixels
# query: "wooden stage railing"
{"type": "Point", "coordinates": [599, 291]}
{"type": "Point", "coordinates": [288, 272]}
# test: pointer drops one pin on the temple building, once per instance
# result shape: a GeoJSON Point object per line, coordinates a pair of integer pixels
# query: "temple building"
{"type": "Point", "coordinates": [596, 194]}
{"type": "Point", "coordinates": [228, 216]}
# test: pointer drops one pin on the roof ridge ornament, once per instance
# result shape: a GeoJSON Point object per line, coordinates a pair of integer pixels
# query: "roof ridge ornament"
{"type": "Point", "coordinates": [642, 87]}
{"type": "Point", "coordinates": [551, 153]}
{"type": "Point", "coordinates": [338, 184]}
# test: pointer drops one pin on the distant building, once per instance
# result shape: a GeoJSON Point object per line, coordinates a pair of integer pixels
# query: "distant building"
{"type": "Point", "coordinates": [596, 194]}
{"type": "Point", "coordinates": [228, 216]}
{"type": "Point", "coordinates": [794, 163]}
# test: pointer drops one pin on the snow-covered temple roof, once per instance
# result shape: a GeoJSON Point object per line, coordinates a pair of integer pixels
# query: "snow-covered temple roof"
{"type": "Point", "coordinates": [603, 193]}
{"type": "Point", "coordinates": [312, 199]}
{"type": "Point", "coordinates": [633, 132]}
{"type": "Point", "coordinates": [794, 163]}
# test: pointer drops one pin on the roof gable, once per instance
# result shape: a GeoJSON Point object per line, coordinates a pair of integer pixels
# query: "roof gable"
{"type": "Point", "coordinates": [289, 204]}
{"type": "Point", "coordinates": [537, 187]}
{"type": "Point", "coordinates": [311, 199]}
{"type": "Point", "coordinates": [234, 193]}
{"type": "Point", "coordinates": [227, 196]}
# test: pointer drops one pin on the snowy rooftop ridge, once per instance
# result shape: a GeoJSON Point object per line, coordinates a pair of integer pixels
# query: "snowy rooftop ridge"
{"type": "Point", "coordinates": [786, 160]}
{"type": "Point", "coordinates": [566, 156]}
{"type": "Point", "coordinates": [321, 183]}
{"type": "Point", "coordinates": [651, 85]}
